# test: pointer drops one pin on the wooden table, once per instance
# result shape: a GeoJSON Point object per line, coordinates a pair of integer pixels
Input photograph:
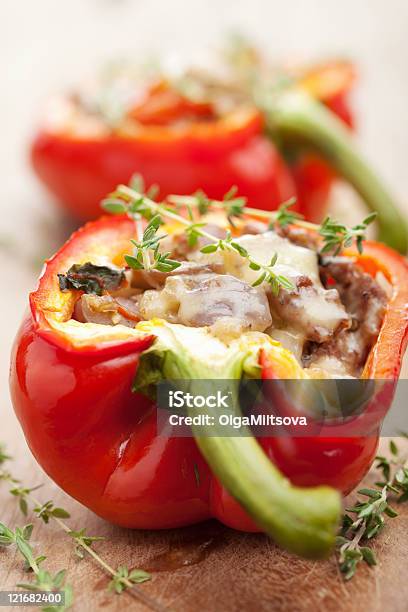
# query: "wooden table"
{"type": "Point", "coordinates": [214, 568]}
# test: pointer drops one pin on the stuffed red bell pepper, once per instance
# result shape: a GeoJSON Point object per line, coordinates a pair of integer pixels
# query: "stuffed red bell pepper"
{"type": "Point", "coordinates": [280, 135]}
{"type": "Point", "coordinates": [204, 296]}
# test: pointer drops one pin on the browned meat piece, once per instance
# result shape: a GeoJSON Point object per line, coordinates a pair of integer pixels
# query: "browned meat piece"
{"type": "Point", "coordinates": [254, 226]}
{"type": "Point", "coordinates": [154, 279]}
{"type": "Point", "coordinates": [315, 312]}
{"type": "Point", "coordinates": [299, 236]}
{"type": "Point", "coordinates": [177, 244]}
{"type": "Point", "coordinates": [106, 310]}
{"type": "Point", "coordinates": [365, 301]}
{"type": "Point", "coordinates": [202, 300]}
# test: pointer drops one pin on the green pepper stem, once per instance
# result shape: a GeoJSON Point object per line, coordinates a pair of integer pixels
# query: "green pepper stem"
{"type": "Point", "coordinates": [301, 520]}
{"type": "Point", "coordinates": [296, 116]}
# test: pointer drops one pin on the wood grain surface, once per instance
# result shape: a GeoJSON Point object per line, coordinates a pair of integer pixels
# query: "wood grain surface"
{"type": "Point", "coordinates": [214, 568]}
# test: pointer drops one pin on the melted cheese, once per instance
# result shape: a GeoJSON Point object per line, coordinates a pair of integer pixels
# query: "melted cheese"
{"type": "Point", "coordinates": [316, 308]}
{"type": "Point", "coordinates": [293, 261]}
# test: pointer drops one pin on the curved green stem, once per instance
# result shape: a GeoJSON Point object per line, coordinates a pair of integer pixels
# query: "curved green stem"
{"type": "Point", "coordinates": [301, 520]}
{"type": "Point", "coordinates": [295, 116]}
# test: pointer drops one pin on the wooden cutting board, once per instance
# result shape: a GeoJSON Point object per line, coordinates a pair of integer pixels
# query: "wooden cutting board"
{"type": "Point", "coordinates": [205, 567]}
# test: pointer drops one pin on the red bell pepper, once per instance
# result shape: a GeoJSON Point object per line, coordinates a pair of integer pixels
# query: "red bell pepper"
{"type": "Point", "coordinates": [183, 146]}
{"type": "Point", "coordinates": [71, 386]}
{"type": "Point", "coordinates": [213, 155]}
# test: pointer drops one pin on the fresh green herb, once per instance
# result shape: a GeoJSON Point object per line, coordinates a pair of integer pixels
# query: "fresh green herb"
{"type": "Point", "coordinates": [140, 205]}
{"type": "Point", "coordinates": [20, 538]}
{"type": "Point", "coordinates": [148, 247]}
{"type": "Point", "coordinates": [43, 580]}
{"type": "Point", "coordinates": [284, 216]}
{"type": "Point", "coordinates": [22, 493]}
{"type": "Point", "coordinates": [267, 275]}
{"type": "Point", "coordinates": [123, 577]}
{"type": "Point", "coordinates": [368, 522]}
{"type": "Point", "coordinates": [234, 206]}
{"type": "Point", "coordinates": [366, 518]}
{"type": "Point", "coordinates": [193, 233]}
{"type": "Point", "coordinates": [203, 203]}
{"type": "Point", "coordinates": [91, 278]}
{"type": "Point", "coordinates": [83, 540]}
{"type": "Point", "coordinates": [137, 183]}
{"type": "Point", "coordinates": [3, 455]}
{"type": "Point", "coordinates": [394, 472]}
{"type": "Point", "coordinates": [48, 510]}
{"type": "Point", "coordinates": [337, 236]}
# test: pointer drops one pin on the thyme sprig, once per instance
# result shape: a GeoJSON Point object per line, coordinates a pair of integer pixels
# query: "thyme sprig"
{"type": "Point", "coordinates": [43, 579]}
{"type": "Point", "coordinates": [366, 519]}
{"type": "Point", "coordinates": [276, 281]}
{"type": "Point", "coordinates": [123, 576]}
{"type": "Point", "coordinates": [83, 543]}
{"type": "Point", "coordinates": [21, 493]}
{"type": "Point", "coordinates": [137, 205]}
{"type": "Point", "coordinates": [47, 511]}
{"type": "Point", "coordinates": [337, 236]}
{"type": "Point", "coordinates": [285, 216]}
{"type": "Point", "coordinates": [398, 483]}
{"type": "Point", "coordinates": [236, 207]}
{"type": "Point", "coordinates": [148, 247]}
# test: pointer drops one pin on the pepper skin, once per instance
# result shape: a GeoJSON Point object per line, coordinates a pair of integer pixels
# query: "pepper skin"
{"type": "Point", "coordinates": [211, 155]}
{"type": "Point", "coordinates": [97, 440]}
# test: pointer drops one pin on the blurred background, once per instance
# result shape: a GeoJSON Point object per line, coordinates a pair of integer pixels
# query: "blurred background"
{"type": "Point", "coordinates": [48, 46]}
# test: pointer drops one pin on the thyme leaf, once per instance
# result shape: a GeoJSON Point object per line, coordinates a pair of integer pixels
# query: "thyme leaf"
{"type": "Point", "coordinates": [148, 249]}
{"type": "Point", "coordinates": [44, 580]}
{"type": "Point", "coordinates": [139, 205]}
{"type": "Point", "coordinates": [48, 510]}
{"type": "Point", "coordinates": [337, 236]}
{"type": "Point", "coordinates": [285, 216]}
{"type": "Point", "coordinates": [123, 576]}
{"type": "Point", "coordinates": [366, 519]}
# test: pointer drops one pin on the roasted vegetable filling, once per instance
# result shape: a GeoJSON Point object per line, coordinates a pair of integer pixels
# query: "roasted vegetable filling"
{"type": "Point", "coordinates": [328, 313]}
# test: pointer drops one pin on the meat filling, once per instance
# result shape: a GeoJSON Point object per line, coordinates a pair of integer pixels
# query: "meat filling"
{"type": "Point", "coordinates": [315, 312]}
{"type": "Point", "coordinates": [154, 279]}
{"type": "Point", "coordinates": [329, 320]}
{"type": "Point", "coordinates": [205, 299]}
{"type": "Point", "coordinates": [365, 301]}
{"type": "Point", "coordinates": [106, 310]}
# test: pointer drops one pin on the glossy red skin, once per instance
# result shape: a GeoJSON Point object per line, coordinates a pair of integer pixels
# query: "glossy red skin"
{"type": "Point", "coordinates": [99, 441]}
{"type": "Point", "coordinates": [81, 172]}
